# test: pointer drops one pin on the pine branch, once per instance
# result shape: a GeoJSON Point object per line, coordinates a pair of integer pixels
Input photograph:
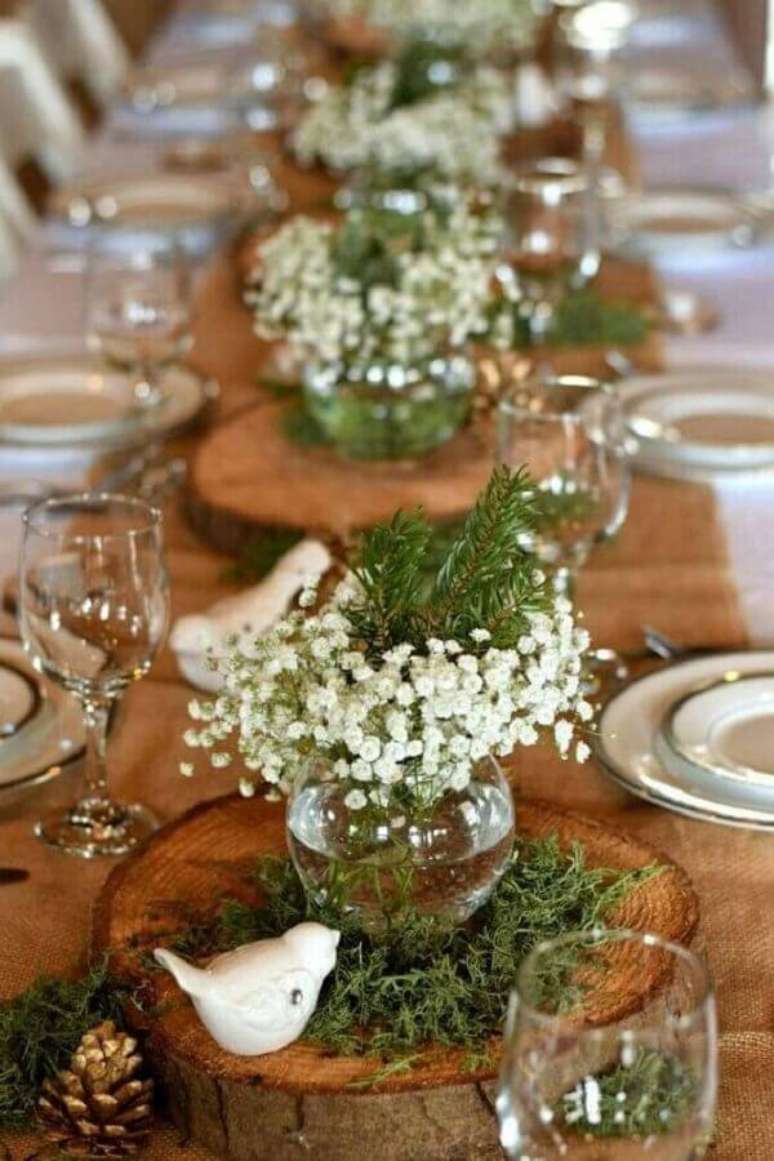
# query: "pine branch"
{"type": "Point", "coordinates": [390, 571]}
{"type": "Point", "coordinates": [488, 578]}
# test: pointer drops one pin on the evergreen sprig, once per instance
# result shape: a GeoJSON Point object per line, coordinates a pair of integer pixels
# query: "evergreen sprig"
{"type": "Point", "coordinates": [487, 579]}
{"type": "Point", "coordinates": [389, 569]}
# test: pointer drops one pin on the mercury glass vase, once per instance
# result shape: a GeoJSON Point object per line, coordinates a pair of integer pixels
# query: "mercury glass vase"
{"type": "Point", "coordinates": [442, 858]}
{"type": "Point", "coordinates": [388, 410]}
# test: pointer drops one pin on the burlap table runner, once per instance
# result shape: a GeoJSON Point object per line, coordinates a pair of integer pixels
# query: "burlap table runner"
{"type": "Point", "coordinates": [668, 567]}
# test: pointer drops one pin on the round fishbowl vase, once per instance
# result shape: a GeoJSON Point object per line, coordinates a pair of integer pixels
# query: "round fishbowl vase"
{"type": "Point", "coordinates": [441, 858]}
{"type": "Point", "coordinates": [390, 411]}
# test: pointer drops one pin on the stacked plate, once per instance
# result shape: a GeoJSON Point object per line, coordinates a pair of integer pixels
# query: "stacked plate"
{"type": "Point", "coordinates": [684, 220]}
{"type": "Point", "coordinates": [698, 737]}
{"type": "Point", "coordinates": [701, 423]}
{"type": "Point", "coordinates": [65, 402]}
{"type": "Point", "coordinates": [41, 728]}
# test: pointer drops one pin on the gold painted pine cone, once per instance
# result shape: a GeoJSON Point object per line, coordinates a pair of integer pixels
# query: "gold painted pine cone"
{"type": "Point", "coordinates": [100, 1106]}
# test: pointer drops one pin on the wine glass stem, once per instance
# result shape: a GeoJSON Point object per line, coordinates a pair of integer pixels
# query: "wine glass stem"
{"type": "Point", "coordinates": [146, 388]}
{"type": "Point", "coordinates": [96, 715]}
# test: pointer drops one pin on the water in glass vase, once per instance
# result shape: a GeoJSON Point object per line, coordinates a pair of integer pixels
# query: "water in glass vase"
{"type": "Point", "coordinates": [443, 860]}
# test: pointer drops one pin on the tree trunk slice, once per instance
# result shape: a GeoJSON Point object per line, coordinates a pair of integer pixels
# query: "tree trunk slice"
{"type": "Point", "coordinates": [301, 1102]}
{"type": "Point", "coordinates": [247, 475]}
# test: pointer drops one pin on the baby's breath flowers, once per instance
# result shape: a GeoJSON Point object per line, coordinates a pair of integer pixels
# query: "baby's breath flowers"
{"type": "Point", "coordinates": [482, 26]}
{"type": "Point", "coordinates": [401, 698]}
{"type": "Point", "coordinates": [453, 132]}
{"type": "Point", "coordinates": [380, 285]}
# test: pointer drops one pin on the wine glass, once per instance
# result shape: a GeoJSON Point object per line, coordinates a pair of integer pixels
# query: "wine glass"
{"type": "Point", "coordinates": [588, 46]}
{"type": "Point", "coordinates": [568, 431]}
{"type": "Point", "coordinates": [138, 310]}
{"type": "Point", "coordinates": [94, 601]}
{"type": "Point", "coordinates": [610, 1052]}
{"type": "Point", "coordinates": [552, 236]}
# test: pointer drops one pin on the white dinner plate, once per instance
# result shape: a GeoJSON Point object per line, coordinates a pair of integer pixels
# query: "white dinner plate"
{"type": "Point", "coordinates": [19, 700]}
{"type": "Point", "coordinates": [71, 400]}
{"type": "Point", "coordinates": [727, 729]}
{"type": "Point", "coordinates": [701, 420]}
{"type": "Point", "coordinates": [50, 739]}
{"type": "Point", "coordinates": [667, 93]}
{"type": "Point", "coordinates": [157, 202]}
{"type": "Point", "coordinates": [681, 219]}
{"type": "Point", "coordinates": [627, 742]}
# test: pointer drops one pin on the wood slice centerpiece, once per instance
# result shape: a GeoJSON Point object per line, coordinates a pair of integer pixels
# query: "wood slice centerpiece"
{"type": "Point", "coordinates": [303, 1101]}
{"type": "Point", "coordinates": [248, 475]}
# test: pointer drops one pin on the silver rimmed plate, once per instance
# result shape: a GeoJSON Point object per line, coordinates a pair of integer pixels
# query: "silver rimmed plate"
{"type": "Point", "coordinates": [727, 729]}
{"type": "Point", "coordinates": [71, 400]}
{"type": "Point", "coordinates": [157, 202]}
{"type": "Point", "coordinates": [682, 219]}
{"type": "Point", "coordinates": [628, 743]}
{"type": "Point", "coordinates": [20, 700]}
{"type": "Point", "coordinates": [701, 421]}
{"type": "Point", "coordinates": [49, 739]}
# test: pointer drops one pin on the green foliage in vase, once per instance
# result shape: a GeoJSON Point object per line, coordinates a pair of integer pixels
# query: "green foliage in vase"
{"type": "Point", "coordinates": [418, 980]}
{"type": "Point", "coordinates": [652, 1095]}
{"type": "Point", "coordinates": [487, 581]}
{"type": "Point", "coordinates": [39, 1031]}
{"type": "Point", "coordinates": [425, 68]}
{"type": "Point", "coordinates": [583, 319]}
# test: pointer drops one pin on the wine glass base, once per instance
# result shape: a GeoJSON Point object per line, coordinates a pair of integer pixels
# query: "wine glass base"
{"type": "Point", "coordinates": [94, 830]}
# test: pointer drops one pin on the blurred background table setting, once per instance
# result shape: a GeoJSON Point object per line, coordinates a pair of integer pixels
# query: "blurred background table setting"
{"type": "Point", "coordinates": [272, 271]}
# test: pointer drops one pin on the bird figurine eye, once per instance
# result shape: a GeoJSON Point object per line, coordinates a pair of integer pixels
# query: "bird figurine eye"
{"type": "Point", "coordinates": [296, 997]}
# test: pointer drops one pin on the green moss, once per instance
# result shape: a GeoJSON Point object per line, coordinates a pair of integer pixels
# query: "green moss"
{"type": "Point", "coordinates": [420, 981]}
{"type": "Point", "coordinates": [652, 1095]}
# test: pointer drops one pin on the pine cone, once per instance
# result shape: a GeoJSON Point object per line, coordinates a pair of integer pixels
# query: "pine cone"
{"type": "Point", "coordinates": [99, 1107]}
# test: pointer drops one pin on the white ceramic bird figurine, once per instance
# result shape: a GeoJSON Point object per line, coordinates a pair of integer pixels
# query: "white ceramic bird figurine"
{"type": "Point", "coordinates": [250, 614]}
{"type": "Point", "coordinates": [259, 998]}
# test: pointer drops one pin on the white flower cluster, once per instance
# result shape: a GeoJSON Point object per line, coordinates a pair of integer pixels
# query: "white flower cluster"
{"type": "Point", "coordinates": [437, 298]}
{"type": "Point", "coordinates": [420, 718]}
{"type": "Point", "coordinates": [454, 133]}
{"type": "Point", "coordinates": [481, 25]}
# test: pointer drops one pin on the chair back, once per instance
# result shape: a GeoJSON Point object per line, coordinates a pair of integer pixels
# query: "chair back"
{"type": "Point", "coordinates": [36, 118]}
{"type": "Point", "coordinates": [81, 43]}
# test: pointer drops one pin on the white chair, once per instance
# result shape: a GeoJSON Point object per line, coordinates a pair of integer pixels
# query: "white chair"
{"type": "Point", "coordinates": [10, 249]}
{"type": "Point", "coordinates": [81, 42]}
{"type": "Point", "coordinates": [36, 118]}
{"type": "Point", "coordinates": [15, 209]}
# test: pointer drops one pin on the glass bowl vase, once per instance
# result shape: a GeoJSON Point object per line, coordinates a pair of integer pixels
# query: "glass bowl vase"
{"type": "Point", "coordinates": [440, 858]}
{"type": "Point", "coordinates": [388, 410]}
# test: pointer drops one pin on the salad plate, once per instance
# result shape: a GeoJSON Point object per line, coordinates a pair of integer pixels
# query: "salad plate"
{"type": "Point", "coordinates": [72, 400]}
{"type": "Point", "coordinates": [701, 421]}
{"type": "Point", "coordinates": [630, 745]}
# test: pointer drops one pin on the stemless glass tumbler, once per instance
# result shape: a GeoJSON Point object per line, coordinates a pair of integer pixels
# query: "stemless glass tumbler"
{"type": "Point", "coordinates": [552, 242]}
{"type": "Point", "coordinates": [569, 433]}
{"type": "Point", "coordinates": [610, 1053]}
{"type": "Point", "coordinates": [94, 603]}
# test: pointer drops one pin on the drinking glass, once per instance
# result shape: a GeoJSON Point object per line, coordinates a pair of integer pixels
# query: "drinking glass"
{"type": "Point", "coordinates": [610, 1052]}
{"type": "Point", "coordinates": [568, 432]}
{"type": "Point", "coordinates": [552, 236]}
{"type": "Point", "coordinates": [94, 599]}
{"type": "Point", "coordinates": [589, 41]}
{"type": "Point", "coordinates": [138, 310]}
